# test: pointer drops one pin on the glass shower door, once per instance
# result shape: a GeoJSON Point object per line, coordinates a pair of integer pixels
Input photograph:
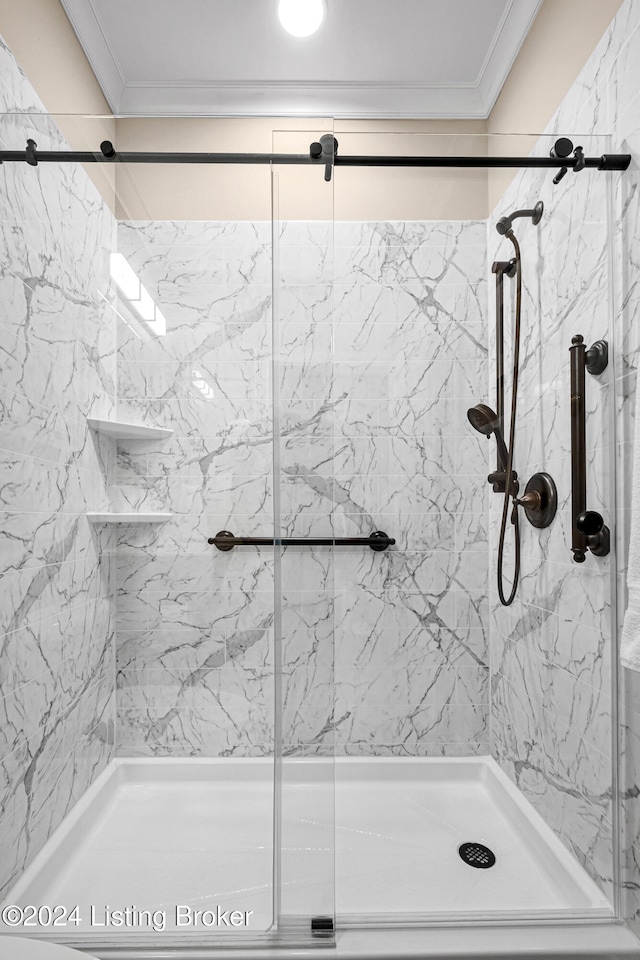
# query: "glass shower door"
{"type": "Point", "coordinates": [201, 368]}
{"type": "Point", "coordinates": [439, 690]}
{"type": "Point", "coordinates": [554, 660]}
{"type": "Point", "coordinates": [140, 359]}
{"type": "Point", "coordinates": [304, 509]}
{"type": "Point", "coordinates": [445, 690]}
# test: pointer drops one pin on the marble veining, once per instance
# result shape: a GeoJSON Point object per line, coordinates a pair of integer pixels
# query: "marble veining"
{"type": "Point", "coordinates": [380, 337]}
{"type": "Point", "coordinates": [57, 351]}
{"type": "Point", "coordinates": [553, 654]}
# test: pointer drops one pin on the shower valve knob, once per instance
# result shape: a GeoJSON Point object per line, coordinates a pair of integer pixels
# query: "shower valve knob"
{"type": "Point", "coordinates": [531, 500]}
{"type": "Point", "coordinates": [539, 501]}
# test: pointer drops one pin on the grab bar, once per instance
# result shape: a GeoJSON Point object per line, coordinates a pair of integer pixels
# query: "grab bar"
{"type": "Point", "coordinates": [224, 540]}
{"type": "Point", "coordinates": [588, 530]}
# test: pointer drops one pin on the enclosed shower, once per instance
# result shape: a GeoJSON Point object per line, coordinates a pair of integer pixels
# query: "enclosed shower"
{"type": "Point", "coordinates": [260, 689]}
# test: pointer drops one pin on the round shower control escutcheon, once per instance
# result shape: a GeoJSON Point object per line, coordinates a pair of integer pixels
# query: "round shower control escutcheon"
{"type": "Point", "coordinates": [540, 500]}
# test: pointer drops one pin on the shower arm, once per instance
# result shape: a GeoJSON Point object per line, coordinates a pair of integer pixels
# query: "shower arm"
{"type": "Point", "coordinates": [504, 226]}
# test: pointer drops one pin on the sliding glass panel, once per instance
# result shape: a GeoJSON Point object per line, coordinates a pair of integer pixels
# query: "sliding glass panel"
{"type": "Point", "coordinates": [204, 372]}
{"type": "Point", "coordinates": [553, 651]}
{"type": "Point", "coordinates": [307, 491]}
{"type": "Point", "coordinates": [463, 724]}
{"type": "Point", "coordinates": [137, 665]}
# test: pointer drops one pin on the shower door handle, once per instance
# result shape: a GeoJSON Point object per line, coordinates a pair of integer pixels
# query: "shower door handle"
{"type": "Point", "coordinates": [588, 530]}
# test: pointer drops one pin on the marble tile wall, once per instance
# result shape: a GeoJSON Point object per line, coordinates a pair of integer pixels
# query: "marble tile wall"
{"type": "Point", "coordinates": [374, 437]}
{"type": "Point", "coordinates": [381, 338]}
{"type": "Point", "coordinates": [57, 354]}
{"type": "Point", "coordinates": [553, 653]}
{"type": "Point", "coordinates": [195, 626]}
{"type": "Point", "coordinates": [381, 343]}
{"type": "Point", "coordinates": [551, 650]}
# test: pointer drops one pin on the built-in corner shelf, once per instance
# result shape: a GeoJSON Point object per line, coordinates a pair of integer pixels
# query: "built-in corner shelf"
{"type": "Point", "coordinates": [129, 517]}
{"type": "Point", "coordinates": [127, 431]}
{"type": "Point", "coordinates": [121, 430]}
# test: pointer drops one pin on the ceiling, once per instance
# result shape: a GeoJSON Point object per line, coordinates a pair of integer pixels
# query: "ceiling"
{"type": "Point", "coordinates": [371, 58]}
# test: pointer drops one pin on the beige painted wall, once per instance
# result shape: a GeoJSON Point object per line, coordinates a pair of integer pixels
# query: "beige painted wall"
{"type": "Point", "coordinates": [244, 192]}
{"type": "Point", "coordinates": [563, 36]}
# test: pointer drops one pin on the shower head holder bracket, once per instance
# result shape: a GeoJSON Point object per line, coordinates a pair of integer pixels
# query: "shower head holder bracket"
{"type": "Point", "coordinates": [498, 481]}
{"type": "Point", "coordinates": [506, 267]}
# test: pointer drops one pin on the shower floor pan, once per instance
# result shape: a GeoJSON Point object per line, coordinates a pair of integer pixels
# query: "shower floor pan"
{"type": "Point", "coordinates": [156, 834]}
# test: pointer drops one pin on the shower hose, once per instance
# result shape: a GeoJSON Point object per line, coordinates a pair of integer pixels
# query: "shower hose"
{"type": "Point", "coordinates": [508, 491]}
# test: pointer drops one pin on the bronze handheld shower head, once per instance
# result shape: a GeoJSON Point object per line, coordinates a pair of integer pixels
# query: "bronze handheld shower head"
{"type": "Point", "coordinates": [483, 419]}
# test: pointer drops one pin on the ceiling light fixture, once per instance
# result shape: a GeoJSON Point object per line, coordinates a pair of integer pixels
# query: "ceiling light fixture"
{"type": "Point", "coordinates": [301, 18]}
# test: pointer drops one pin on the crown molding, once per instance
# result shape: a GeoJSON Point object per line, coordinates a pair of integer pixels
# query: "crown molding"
{"type": "Point", "coordinates": [510, 35]}
{"type": "Point", "coordinates": [341, 100]}
{"type": "Point", "coordinates": [102, 58]}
